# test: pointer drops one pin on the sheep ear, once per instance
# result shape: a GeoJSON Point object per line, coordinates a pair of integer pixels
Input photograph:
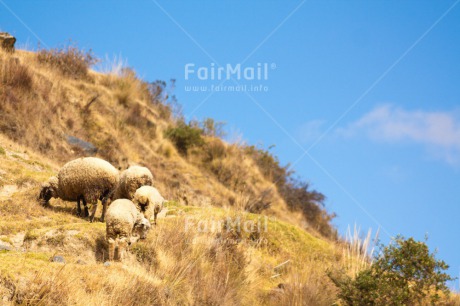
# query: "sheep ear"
{"type": "Point", "coordinates": [146, 222]}
{"type": "Point", "coordinates": [44, 189]}
{"type": "Point", "coordinates": [140, 219]}
{"type": "Point", "coordinates": [40, 196]}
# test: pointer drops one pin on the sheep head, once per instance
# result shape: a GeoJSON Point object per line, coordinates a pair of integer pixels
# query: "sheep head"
{"type": "Point", "coordinates": [49, 190]}
{"type": "Point", "coordinates": [142, 226]}
{"type": "Point", "coordinates": [141, 202]}
{"type": "Point", "coordinates": [159, 206]}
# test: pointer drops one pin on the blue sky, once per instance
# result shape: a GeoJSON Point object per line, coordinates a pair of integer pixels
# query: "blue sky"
{"type": "Point", "coordinates": [370, 89]}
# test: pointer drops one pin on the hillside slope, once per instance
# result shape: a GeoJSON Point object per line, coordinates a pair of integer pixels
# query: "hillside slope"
{"type": "Point", "coordinates": [52, 112]}
{"type": "Point", "coordinates": [180, 262]}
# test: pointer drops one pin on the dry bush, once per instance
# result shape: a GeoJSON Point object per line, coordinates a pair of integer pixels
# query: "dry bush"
{"type": "Point", "coordinates": [261, 202]}
{"type": "Point", "coordinates": [160, 95]}
{"type": "Point", "coordinates": [14, 74]}
{"type": "Point", "coordinates": [69, 61]}
{"type": "Point", "coordinates": [214, 149]}
{"type": "Point", "coordinates": [251, 202]}
{"type": "Point", "coordinates": [211, 127]}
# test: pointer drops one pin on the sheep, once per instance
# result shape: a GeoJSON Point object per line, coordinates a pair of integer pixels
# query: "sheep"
{"type": "Point", "coordinates": [123, 219]}
{"type": "Point", "coordinates": [147, 200]}
{"type": "Point", "coordinates": [131, 179]}
{"type": "Point", "coordinates": [84, 180]}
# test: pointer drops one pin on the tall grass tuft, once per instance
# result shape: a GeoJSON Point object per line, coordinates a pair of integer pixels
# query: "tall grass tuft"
{"type": "Point", "coordinates": [358, 251]}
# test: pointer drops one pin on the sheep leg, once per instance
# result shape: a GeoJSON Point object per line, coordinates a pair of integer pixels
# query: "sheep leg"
{"type": "Point", "coordinates": [78, 207]}
{"type": "Point", "coordinates": [122, 244]}
{"type": "Point", "coordinates": [111, 249]}
{"type": "Point", "coordinates": [156, 210]}
{"type": "Point", "coordinates": [86, 208]}
{"type": "Point", "coordinates": [93, 212]}
{"type": "Point", "coordinates": [105, 202]}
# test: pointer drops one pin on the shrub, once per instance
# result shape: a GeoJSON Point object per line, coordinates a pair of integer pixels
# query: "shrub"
{"type": "Point", "coordinates": [184, 137]}
{"type": "Point", "coordinates": [269, 165]}
{"type": "Point", "coordinates": [161, 95]}
{"type": "Point", "coordinates": [14, 74]}
{"type": "Point", "coordinates": [70, 61]}
{"type": "Point", "coordinates": [257, 204]}
{"type": "Point", "coordinates": [405, 273]}
{"type": "Point", "coordinates": [157, 91]}
{"type": "Point", "coordinates": [299, 197]}
{"type": "Point", "coordinates": [212, 128]}
{"type": "Point", "coordinates": [146, 254]}
{"type": "Point", "coordinates": [2, 151]}
{"type": "Point", "coordinates": [215, 149]}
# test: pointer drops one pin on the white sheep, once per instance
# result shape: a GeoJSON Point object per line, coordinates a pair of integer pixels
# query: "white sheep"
{"type": "Point", "coordinates": [148, 200]}
{"type": "Point", "coordinates": [123, 219]}
{"type": "Point", "coordinates": [131, 179]}
{"type": "Point", "coordinates": [84, 180]}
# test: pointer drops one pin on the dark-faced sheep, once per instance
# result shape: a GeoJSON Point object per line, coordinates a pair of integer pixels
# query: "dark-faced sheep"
{"type": "Point", "coordinates": [85, 180]}
{"type": "Point", "coordinates": [123, 219]}
{"type": "Point", "coordinates": [148, 200]}
{"type": "Point", "coordinates": [131, 179]}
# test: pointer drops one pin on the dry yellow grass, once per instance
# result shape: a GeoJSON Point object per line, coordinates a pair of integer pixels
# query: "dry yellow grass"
{"type": "Point", "coordinates": [180, 263]}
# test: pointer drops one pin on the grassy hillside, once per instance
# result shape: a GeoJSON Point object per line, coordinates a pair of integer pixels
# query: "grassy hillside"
{"type": "Point", "coordinates": [196, 254]}
{"type": "Point", "coordinates": [180, 262]}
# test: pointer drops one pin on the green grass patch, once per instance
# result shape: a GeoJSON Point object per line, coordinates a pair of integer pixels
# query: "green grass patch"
{"type": "Point", "coordinates": [14, 263]}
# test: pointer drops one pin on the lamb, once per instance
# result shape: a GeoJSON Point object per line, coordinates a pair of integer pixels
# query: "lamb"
{"type": "Point", "coordinates": [131, 179]}
{"type": "Point", "coordinates": [84, 180]}
{"type": "Point", "coordinates": [147, 200]}
{"type": "Point", "coordinates": [123, 219]}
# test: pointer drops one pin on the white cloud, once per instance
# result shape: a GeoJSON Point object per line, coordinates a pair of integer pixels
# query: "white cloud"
{"type": "Point", "coordinates": [310, 131]}
{"type": "Point", "coordinates": [439, 132]}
